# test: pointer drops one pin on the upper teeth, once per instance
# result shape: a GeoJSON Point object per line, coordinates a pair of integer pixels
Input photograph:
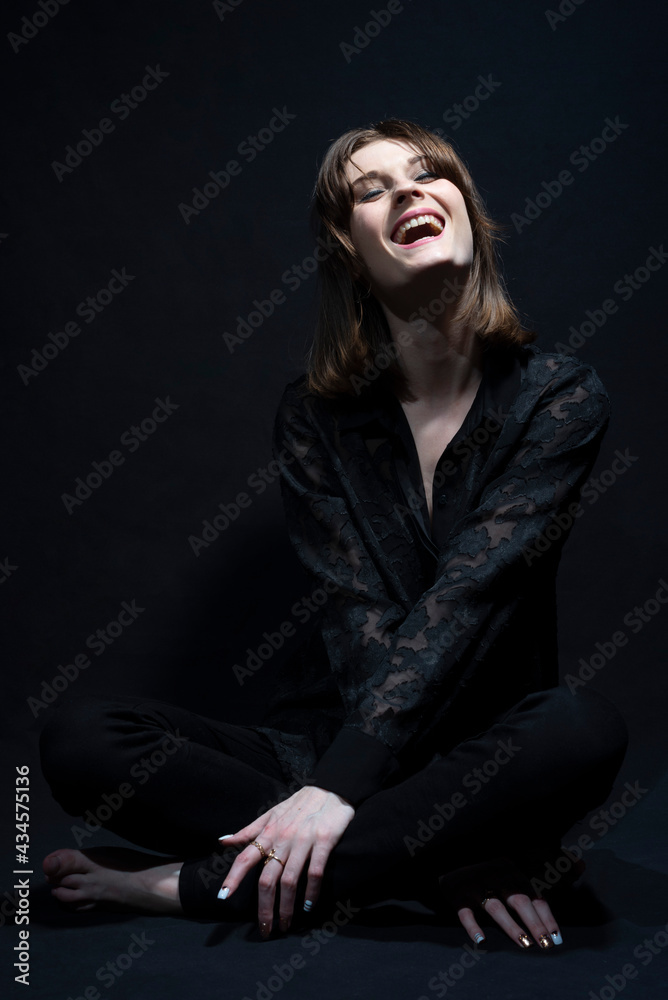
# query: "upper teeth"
{"type": "Point", "coordinates": [417, 220]}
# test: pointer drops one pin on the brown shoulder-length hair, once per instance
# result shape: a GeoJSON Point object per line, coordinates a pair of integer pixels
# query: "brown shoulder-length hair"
{"type": "Point", "coordinates": [351, 332]}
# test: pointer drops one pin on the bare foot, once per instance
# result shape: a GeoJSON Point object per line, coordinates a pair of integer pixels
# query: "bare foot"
{"type": "Point", "coordinates": [114, 878]}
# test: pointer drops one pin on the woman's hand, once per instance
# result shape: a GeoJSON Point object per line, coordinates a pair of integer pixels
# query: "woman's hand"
{"type": "Point", "coordinates": [498, 887]}
{"type": "Point", "coordinates": [306, 826]}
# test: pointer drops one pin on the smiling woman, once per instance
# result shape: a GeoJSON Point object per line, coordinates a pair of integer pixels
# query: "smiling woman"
{"type": "Point", "coordinates": [420, 744]}
{"type": "Point", "coordinates": [352, 198]}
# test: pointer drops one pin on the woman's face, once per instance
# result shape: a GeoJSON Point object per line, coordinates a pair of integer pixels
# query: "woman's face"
{"type": "Point", "coordinates": [393, 185]}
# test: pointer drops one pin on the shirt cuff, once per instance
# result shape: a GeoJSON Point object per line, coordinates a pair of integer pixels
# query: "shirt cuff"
{"type": "Point", "coordinates": [354, 766]}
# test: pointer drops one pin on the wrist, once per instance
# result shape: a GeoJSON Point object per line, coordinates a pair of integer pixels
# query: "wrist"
{"type": "Point", "coordinates": [330, 794]}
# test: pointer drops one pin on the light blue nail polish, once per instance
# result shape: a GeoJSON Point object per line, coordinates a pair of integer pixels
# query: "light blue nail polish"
{"type": "Point", "coordinates": [556, 937]}
{"type": "Point", "coordinates": [479, 937]}
{"type": "Point", "coordinates": [225, 836]}
{"type": "Point", "coordinates": [224, 892]}
{"type": "Point", "coordinates": [308, 903]}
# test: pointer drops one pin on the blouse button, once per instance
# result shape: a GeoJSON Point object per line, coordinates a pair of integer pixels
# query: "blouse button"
{"type": "Point", "coordinates": [442, 500]}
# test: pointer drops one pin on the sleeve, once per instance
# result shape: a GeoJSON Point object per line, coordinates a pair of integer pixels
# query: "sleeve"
{"type": "Point", "coordinates": [396, 667]}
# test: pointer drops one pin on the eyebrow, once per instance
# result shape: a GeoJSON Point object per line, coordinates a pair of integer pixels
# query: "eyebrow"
{"type": "Point", "coordinates": [374, 173]}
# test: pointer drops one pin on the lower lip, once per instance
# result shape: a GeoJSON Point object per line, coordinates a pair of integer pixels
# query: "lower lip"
{"type": "Point", "coordinates": [420, 243]}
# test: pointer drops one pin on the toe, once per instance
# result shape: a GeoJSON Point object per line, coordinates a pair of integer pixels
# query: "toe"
{"type": "Point", "coordinates": [70, 862]}
{"type": "Point", "coordinates": [51, 865]}
{"type": "Point", "coordinates": [73, 898]}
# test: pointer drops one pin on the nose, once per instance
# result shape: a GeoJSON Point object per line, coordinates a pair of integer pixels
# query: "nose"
{"type": "Point", "coordinates": [405, 190]}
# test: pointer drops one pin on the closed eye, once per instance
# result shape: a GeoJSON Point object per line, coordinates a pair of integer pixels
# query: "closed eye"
{"type": "Point", "coordinates": [426, 174]}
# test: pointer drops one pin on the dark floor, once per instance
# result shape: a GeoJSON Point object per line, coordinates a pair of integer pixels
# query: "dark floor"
{"type": "Point", "coordinates": [391, 950]}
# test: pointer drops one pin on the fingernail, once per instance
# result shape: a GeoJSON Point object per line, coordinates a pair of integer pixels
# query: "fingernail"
{"type": "Point", "coordinates": [556, 937]}
{"type": "Point", "coordinates": [264, 931]}
{"type": "Point", "coordinates": [545, 941]}
{"type": "Point", "coordinates": [285, 923]}
{"type": "Point", "coordinates": [224, 892]}
{"type": "Point", "coordinates": [308, 903]}
{"type": "Point", "coordinates": [524, 940]}
{"type": "Point", "coordinates": [225, 836]}
{"type": "Point", "coordinates": [479, 937]}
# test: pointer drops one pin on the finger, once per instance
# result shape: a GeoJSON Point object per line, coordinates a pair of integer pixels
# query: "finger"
{"type": "Point", "coordinates": [470, 924]}
{"type": "Point", "coordinates": [543, 909]}
{"type": "Point", "coordinates": [532, 919]}
{"type": "Point", "coordinates": [316, 871]}
{"type": "Point", "coordinates": [498, 912]}
{"type": "Point", "coordinates": [246, 833]}
{"type": "Point", "coordinates": [289, 880]}
{"type": "Point", "coordinates": [243, 863]}
{"type": "Point", "coordinates": [266, 894]}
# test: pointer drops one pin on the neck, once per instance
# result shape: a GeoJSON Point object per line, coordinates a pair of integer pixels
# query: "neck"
{"type": "Point", "coordinates": [442, 358]}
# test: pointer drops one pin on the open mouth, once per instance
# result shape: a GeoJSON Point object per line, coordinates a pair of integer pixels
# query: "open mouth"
{"type": "Point", "coordinates": [418, 229]}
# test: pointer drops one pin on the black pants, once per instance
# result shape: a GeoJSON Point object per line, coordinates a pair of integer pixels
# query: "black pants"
{"type": "Point", "coordinates": [172, 781]}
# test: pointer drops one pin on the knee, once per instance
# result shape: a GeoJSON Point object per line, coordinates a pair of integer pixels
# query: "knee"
{"type": "Point", "coordinates": [594, 724]}
{"type": "Point", "coordinates": [73, 745]}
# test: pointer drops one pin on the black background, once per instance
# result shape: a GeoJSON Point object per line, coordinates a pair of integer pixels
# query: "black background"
{"type": "Point", "coordinates": [162, 335]}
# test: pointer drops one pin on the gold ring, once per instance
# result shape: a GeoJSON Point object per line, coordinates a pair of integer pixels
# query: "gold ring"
{"type": "Point", "coordinates": [260, 848]}
{"type": "Point", "coordinates": [272, 857]}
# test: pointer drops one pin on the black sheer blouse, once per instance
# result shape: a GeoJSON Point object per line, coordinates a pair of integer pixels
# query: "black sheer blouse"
{"type": "Point", "coordinates": [426, 635]}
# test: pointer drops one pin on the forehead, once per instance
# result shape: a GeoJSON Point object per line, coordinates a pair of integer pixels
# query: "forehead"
{"type": "Point", "coordinates": [382, 154]}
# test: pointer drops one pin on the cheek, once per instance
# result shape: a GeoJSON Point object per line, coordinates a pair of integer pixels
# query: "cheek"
{"type": "Point", "coordinates": [464, 229]}
{"type": "Point", "coordinates": [365, 238]}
